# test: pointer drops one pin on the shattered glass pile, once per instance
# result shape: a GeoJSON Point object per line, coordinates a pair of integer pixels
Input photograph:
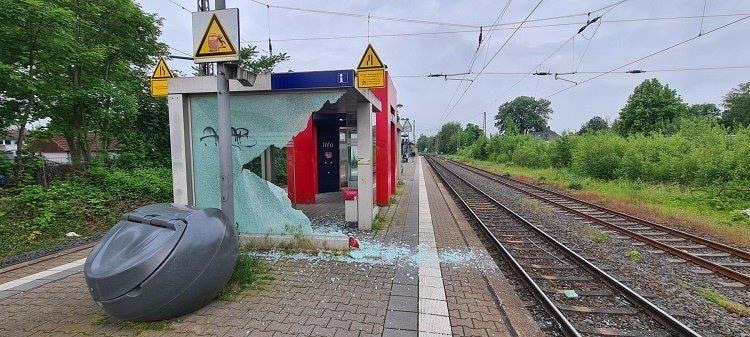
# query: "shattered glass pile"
{"type": "Point", "coordinates": [258, 121]}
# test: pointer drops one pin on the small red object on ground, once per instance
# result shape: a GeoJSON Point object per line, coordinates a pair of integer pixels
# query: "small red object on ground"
{"type": "Point", "coordinates": [353, 242]}
{"type": "Point", "coordinates": [349, 193]}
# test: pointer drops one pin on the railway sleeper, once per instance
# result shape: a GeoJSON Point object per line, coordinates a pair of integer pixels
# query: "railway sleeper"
{"type": "Point", "coordinates": [623, 333]}
{"type": "Point", "coordinates": [600, 310]}
{"type": "Point", "coordinates": [547, 266]}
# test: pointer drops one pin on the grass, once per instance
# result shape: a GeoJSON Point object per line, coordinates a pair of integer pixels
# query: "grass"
{"type": "Point", "coordinates": [249, 273]}
{"type": "Point", "coordinates": [378, 223]}
{"type": "Point", "coordinates": [136, 328]}
{"type": "Point", "coordinates": [598, 236]}
{"type": "Point", "coordinates": [723, 301]}
{"type": "Point", "coordinates": [698, 209]}
{"type": "Point", "coordinates": [634, 255]}
{"type": "Point", "coordinates": [140, 327]}
{"type": "Point", "coordinates": [393, 200]}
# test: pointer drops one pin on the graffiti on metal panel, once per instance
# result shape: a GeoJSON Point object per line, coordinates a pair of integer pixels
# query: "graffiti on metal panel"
{"type": "Point", "coordinates": [241, 137]}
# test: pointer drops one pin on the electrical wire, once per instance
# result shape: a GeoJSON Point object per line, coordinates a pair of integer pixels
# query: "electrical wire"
{"type": "Point", "coordinates": [474, 31]}
{"type": "Point", "coordinates": [492, 58]}
{"type": "Point", "coordinates": [587, 47]}
{"type": "Point", "coordinates": [538, 66]}
{"type": "Point", "coordinates": [364, 16]}
{"type": "Point", "coordinates": [179, 51]}
{"type": "Point", "coordinates": [650, 55]}
{"type": "Point", "coordinates": [180, 5]}
{"type": "Point", "coordinates": [420, 21]}
{"type": "Point", "coordinates": [703, 16]}
{"type": "Point", "coordinates": [475, 57]}
{"type": "Point", "coordinates": [600, 72]}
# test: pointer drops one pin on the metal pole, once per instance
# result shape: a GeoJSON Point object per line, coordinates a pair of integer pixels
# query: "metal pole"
{"type": "Point", "coordinates": [484, 123]}
{"type": "Point", "coordinates": [204, 69]}
{"type": "Point", "coordinates": [226, 179]}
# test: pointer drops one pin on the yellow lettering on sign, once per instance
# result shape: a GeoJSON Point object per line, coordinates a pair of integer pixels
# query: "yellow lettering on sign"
{"type": "Point", "coordinates": [215, 41]}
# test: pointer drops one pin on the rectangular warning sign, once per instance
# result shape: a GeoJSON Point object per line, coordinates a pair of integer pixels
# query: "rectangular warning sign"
{"type": "Point", "coordinates": [371, 78]}
{"type": "Point", "coordinates": [159, 87]}
{"type": "Point", "coordinates": [216, 36]}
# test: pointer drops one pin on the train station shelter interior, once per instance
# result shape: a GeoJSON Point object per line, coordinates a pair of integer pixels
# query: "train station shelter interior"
{"type": "Point", "coordinates": [335, 136]}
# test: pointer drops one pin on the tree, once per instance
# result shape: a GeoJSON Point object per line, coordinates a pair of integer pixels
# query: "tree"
{"type": "Point", "coordinates": [594, 124]}
{"type": "Point", "coordinates": [426, 143]}
{"type": "Point", "coordinates": [471, 134]}
{"type": "Point", "coordinates": [250, 60]}
{"type": "Point", "coordinates": [708, 110]}
{"type": "Point", "coordinates": [113, 48]}
{"type": "Point", "coordinates": [448, 138]}
{"type": "Point", "coordinates": [737, 105]}
{"type": "Point", "coordinates": [35, 35]}
{"type": "Point", "coordinates": [524, 113]}
{"type": "Point", "coordinates": [651, 108]}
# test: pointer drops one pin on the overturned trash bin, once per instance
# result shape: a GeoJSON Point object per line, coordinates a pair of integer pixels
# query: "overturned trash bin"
{"type": "Point", "coordinates": [161, 261]}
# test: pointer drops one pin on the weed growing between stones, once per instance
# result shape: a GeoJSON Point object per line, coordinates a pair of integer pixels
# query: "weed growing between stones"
{"type": "Point", "coordinates": [249, 273]}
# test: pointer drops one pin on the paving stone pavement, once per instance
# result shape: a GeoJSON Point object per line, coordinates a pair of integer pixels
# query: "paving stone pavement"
{"type": "Point", "coordinates": [304, 297]}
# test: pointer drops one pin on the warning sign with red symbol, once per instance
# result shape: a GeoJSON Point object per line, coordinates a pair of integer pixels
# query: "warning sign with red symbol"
{"type": "Point", "coordinates": [216, 36]}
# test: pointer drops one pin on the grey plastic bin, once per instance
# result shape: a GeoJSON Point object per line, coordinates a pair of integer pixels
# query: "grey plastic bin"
{"type": "Point", "coordinates": [161, 261]}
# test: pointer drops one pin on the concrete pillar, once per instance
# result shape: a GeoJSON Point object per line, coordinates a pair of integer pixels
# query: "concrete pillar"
{"type": "Point", "coordinates": [180, 150]}
{"type": "Point", "coordinates": [398, 154]}
{"type": "Point", "coordinates": [364, 165]}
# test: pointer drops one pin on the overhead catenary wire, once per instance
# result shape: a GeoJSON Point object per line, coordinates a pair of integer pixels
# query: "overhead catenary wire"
{"type": "Point", "coordinates": [600, 72]}
{"type": "Point", "coordinates": [487, 29]}
{"type": "Point", "coordinates": [609, 9]}
{"type": "Point", "coordinates": [417, 21]}
{"type": "Point", "coordinates": [180, 51]}
{"type": "Point", "coordinates": [650, 55]}
{"type": "Point", "coordinates": [491, 59]}
{"type": "Point", "coordinates": [474, 57]}
{"type": "Point", "coordinates": [588, 44]}
{"type": "Point", "coordinates": [180, 5]}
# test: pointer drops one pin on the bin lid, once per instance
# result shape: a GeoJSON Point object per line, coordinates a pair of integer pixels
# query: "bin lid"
{"type": "Point", "coordinates": [131, 251]}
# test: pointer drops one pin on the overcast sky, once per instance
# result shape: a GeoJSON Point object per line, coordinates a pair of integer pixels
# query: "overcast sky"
{"type": "Point", "coordinates": [426, 99]}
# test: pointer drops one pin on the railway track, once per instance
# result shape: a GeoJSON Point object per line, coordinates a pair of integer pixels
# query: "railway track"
{"type": "Point", "coordinates": [580, 297]}
{"type": "Point", "coordinates": [728, 261]}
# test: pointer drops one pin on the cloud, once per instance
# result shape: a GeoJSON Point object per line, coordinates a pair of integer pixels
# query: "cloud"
{"type": "Point", "coordinates": [426, 99]}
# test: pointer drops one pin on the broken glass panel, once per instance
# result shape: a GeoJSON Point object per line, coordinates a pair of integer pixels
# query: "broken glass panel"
{"type": "Point", "coordinates": [258, 121]}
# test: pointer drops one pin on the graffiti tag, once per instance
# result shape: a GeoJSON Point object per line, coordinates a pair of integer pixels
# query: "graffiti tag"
{"type": "Point", "coordinates": [237, 133]}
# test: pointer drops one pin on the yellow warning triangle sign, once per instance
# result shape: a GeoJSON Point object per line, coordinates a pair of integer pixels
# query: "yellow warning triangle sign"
{"type": "Point", "coordinates": [370, 59]}
{"type": "Point", "coordinates": [215, 41]}
{"type": "Point", "coordinates": [162, 70]}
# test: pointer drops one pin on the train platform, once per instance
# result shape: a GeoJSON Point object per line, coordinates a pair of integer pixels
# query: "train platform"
{"type": "Point", "coordinates": [423, 273]}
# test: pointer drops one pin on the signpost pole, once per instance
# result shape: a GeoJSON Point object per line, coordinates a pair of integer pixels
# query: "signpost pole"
{"type": "Point", "coordinates": [225, 137]}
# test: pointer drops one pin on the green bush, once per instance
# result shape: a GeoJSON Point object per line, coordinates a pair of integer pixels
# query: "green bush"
{"type": "Point", "coordinates": [33, 218]}
{"type": "Point", "coordinates": [478, 150]}
{"type": "Point", "coordinates": [701, 153]}
{"type": "Point", "coordinates": [561, 151]}
{"type": "Point", "coordinates": [531, 153]}
{"type": "Point", "coordinates": [136, 183]}
{"type": "Point", "coordinates": [599, 155]}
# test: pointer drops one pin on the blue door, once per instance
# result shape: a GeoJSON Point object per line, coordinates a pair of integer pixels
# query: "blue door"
{"type": "Point", "coordinates": [328, 158]}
